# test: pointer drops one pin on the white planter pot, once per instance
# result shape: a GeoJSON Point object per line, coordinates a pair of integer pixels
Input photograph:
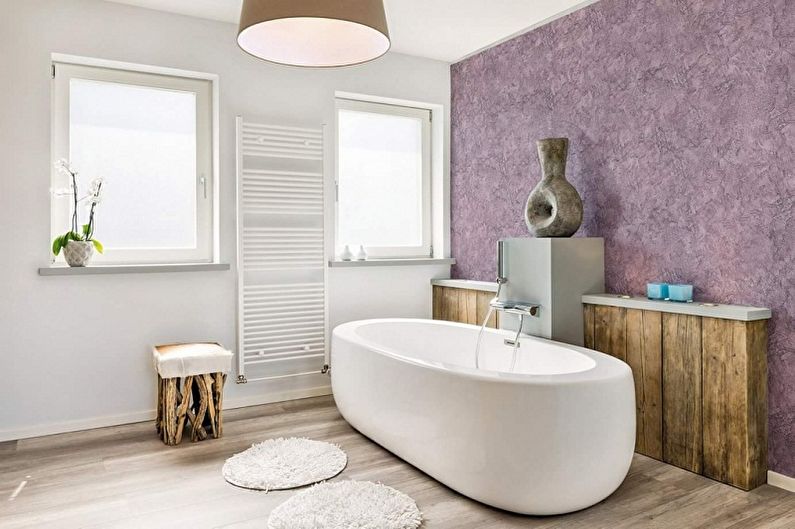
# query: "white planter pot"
{"type": "Point", "coordinates": [78, 253]}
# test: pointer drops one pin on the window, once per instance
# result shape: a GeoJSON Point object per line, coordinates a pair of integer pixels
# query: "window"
{"type": "Point", "coordinates": [384, 179]}
{"type": "Point", "coordinates": [149, 136]}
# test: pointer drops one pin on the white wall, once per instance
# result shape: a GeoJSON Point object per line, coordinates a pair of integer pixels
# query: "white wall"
{"type": "Point", "coordinates": [382, 292]}
{"type": "Point", "coordinates": [74, 351]}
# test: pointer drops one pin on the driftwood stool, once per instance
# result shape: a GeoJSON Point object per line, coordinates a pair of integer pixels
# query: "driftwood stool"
{"type": "Point", "coordinates": [190, 390]}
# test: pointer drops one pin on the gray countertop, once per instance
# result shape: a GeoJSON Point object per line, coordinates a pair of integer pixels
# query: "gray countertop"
{"type": "Point", "coordinates": [484, 286]}
{"type": "Point", "coordinates": [696, 308]}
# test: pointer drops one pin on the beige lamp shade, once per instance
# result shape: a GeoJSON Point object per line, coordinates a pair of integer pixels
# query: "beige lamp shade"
{"type": "Point", "coordinates": [314, 33]}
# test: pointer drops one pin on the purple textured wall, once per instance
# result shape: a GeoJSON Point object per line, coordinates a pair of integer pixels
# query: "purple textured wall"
{"type": "Point", "coordinates": [681, 116]}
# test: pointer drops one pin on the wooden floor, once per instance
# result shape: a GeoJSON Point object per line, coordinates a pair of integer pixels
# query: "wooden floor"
{"type": "Point", "coordinates": [125, 477]}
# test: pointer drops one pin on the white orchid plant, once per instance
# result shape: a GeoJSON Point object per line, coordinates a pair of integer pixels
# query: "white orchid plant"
{"type": "Point", "coordinates": [86, 233]}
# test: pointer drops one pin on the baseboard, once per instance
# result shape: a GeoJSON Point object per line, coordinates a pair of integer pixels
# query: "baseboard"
{"type": "Point", "coordinates": [781, 481]}
{"type": "Point", "coordinates": [41, 430]}
{"type": "Point", "coordinates": [149, 415]}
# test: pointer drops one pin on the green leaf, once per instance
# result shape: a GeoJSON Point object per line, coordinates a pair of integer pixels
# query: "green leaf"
{"type": "Point", "coordinates": [98, 246]}
{"type": "Point", "coordinates": [73, 236]}
{"type": "Point", "coordinates": [57, 244]}
{"type": "Point", "coordinates": [85, 229]}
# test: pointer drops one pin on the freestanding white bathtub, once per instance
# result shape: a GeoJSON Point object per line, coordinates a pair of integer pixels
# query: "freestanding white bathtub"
{"type": "Point", "coordinates": [554, 436]}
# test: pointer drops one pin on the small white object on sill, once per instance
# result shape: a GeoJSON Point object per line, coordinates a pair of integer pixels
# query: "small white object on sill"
{"type": "Point", "coordinates": [346, 254]}
{"type": "Point", "coordinates": [361, 255]}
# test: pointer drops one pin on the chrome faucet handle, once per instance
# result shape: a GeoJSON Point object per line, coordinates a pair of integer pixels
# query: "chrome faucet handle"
{"type": "Point", "coordinates": [499, 304]}
{"type": "Point", "coordinates": [515, 307]}
{"type": "Point", "coordinates": [525, 308]}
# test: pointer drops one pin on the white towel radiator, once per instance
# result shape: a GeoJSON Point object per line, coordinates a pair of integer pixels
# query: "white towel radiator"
{"type": "Point", "coordinates": [282, 304]}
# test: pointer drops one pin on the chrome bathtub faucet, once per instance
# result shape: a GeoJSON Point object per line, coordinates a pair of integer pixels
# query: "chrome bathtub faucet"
{"type": "Point", "coordinates": [520, 308]}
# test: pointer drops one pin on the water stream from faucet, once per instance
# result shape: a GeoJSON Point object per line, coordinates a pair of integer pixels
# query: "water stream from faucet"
{"type": "Point", "coordinates": [516, 343]}
{"type": "Point", "coordinates": [480, 336]}
{"type": "Point", "coordinates": [515, 340]}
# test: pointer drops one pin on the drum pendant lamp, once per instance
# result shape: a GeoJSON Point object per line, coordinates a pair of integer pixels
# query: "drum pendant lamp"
{"type": "Point", "coordinates": [314, 33]}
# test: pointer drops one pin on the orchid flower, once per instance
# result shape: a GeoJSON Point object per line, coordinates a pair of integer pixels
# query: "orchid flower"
{"type": "Point", "coordinates": [65, 167]}
{"type": "Point", "coordinates": [94, 197]}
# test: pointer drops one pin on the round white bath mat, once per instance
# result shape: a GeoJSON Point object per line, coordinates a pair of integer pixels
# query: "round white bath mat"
{"type": "Point", "coordinates": [347, 505]}
{"type": "Point", "coordinates": [278, 464]}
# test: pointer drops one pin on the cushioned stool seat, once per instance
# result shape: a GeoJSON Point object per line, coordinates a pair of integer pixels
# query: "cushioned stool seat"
{"type": "Point", "coordinates": [190, 388]}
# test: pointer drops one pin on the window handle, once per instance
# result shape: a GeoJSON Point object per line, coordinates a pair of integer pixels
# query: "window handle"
{"type": "Point", "coordinates": [203, 182]}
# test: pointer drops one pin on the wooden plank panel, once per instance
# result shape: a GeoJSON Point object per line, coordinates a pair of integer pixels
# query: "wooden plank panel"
{"type": "Point", "coordinates": [618, 338]}
{"type": "Point", "coordinates": [472, 308]}
{"type": "Point", "coordinates": [482, 307]}
{"type": "Point", "coordinates": [732, 388]}
{"type": "Point", "coordinates": [467, 306]}
{"type": "Point", "coordinates": [610, 331]}
{"type": "Point", "coordinates": [601, 328]}
{"type": "Point", "coordinates": [450, 311]}
{"type": "Point", "coordinates": [644, 356]}
{"type": "Point", "coordinates": [438, 296]}
{"type": "Point", "coordinates": [442, 303]}
{"type": "Point", "coordinates": [756, 347]}
{"type": "Point", "coordinates": [700, 388]}
{"type": "Point", "coordinates": [462, 305]}
{"type": "Point", "coordinates": [682, 432]}
{"type": "Point", "coordinates": [718, 393]}
{"type": "Point", "coordinates": [588, 325]}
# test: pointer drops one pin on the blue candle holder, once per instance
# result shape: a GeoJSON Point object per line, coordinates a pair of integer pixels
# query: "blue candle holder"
{"type": "Point", "coordinates": [682, 293]}
{"type": "Point", "coordinates": [657, 290]}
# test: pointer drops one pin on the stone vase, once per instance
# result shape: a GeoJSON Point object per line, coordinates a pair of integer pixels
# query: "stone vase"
{"type": "Point", "coordinates": [78, 253]}
{"type": "Point", "coordinates": [554, 208]}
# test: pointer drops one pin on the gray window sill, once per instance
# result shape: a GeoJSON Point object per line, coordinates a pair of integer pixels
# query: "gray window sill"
{"type": "Point", "coordinates": [393, 262]}
{"type": "Point", "coordinates": [62, 270]}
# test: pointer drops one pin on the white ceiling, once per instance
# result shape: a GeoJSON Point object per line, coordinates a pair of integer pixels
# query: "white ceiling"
{"type": "Point", "coordinates": [447, 30]}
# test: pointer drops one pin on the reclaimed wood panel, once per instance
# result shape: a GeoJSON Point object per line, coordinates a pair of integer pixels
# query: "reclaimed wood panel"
{"type": "Point", "coordinates": [700, 388]}
{"type": "Point", "coordinates": [437, 304]}
{"type": "Point", "coordinates": [468, 307]}
{"type": "Point", "coordinates": [483, 299]}
{"type": "Point", "coordinates": [756, 344]}
{"type": "Point", "coordinates": [644, 356]}
{"type": "Point", "coordinates": [462, 305]}
{"type": "Point", "coordinates": [588, 316]}
{"type": "Point", "coordinates": [734, 401]}
{"type": "Point", "coordinates": [450, 305]}
{"type": "Point", "coordinates": [610, 331]}
{"type": "Point", "coordinates": [682, 431]}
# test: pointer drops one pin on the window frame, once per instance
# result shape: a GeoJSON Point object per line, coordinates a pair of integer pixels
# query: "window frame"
{"type": "Point", "coordinates": [425, 250]}
{"type": "Point", "coordinates": [205, 87]}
